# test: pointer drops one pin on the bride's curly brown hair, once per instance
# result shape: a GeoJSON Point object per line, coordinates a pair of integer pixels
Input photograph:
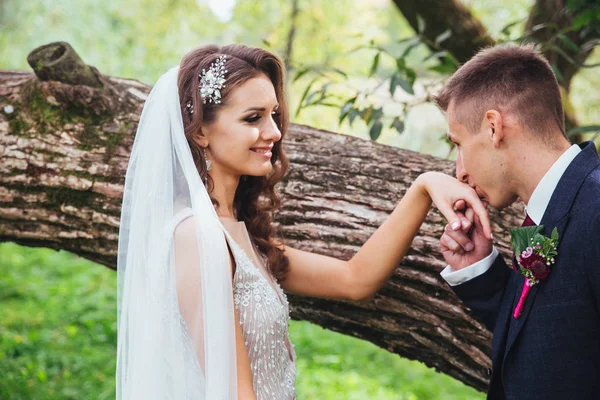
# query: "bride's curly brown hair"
{"type": "Point", "coordinates": [255, 198]}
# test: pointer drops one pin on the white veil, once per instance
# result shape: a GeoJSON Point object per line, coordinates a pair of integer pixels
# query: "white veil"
{"type": "Point", "coordinates": [176, 337]}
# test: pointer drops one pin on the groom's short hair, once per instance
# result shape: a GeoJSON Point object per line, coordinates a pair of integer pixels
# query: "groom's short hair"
{"type": "Point", "coordinates": [514, 78]}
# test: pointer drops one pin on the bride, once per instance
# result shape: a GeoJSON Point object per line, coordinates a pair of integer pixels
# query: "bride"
{"type": "Point", "coordinates": [202, 310]}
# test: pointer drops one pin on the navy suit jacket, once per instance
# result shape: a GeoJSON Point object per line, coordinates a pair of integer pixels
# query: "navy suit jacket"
{"type": "Point", "coordinates": [552, 351]}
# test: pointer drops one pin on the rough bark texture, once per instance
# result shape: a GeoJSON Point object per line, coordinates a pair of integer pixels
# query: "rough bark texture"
{"type": "Point", "coordinates": [59, 62]}
{"type": "Point", "coordinates": [64, 150]}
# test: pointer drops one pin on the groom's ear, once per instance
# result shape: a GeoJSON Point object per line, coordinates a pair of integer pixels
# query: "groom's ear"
{"type": "Point", "coordinates": [493, 125]}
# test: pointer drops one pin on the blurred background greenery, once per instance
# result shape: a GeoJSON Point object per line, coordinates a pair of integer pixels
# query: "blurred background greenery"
{"type": "Point", "coordinates": [58, 311]}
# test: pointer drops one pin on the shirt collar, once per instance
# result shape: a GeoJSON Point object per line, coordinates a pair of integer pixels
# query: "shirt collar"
{"type": "Point", "coordinates": [543, 191]}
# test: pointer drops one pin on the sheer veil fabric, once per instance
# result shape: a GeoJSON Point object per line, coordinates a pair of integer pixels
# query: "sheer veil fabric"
{"type": "Point", "coordinates": [176, 337]}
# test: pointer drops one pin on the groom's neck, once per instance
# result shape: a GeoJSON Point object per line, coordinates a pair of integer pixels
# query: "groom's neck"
{"type": "Point", "coordinates": [535, 160]}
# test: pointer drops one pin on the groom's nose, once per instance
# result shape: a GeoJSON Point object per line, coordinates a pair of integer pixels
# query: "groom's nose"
{"type": "Point", "coordinates": [461, 172]}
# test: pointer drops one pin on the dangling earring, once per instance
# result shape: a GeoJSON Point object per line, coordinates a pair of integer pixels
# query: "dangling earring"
{"type": "Point", "coordinates": [208, 163]}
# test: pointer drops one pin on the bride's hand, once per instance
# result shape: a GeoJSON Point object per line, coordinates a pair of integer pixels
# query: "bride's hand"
{"type": "Point", "coordinates": [446, 192]}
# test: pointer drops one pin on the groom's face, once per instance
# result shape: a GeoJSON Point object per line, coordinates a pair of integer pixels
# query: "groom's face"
{"type": "Point", "coordinates": [479, 162]}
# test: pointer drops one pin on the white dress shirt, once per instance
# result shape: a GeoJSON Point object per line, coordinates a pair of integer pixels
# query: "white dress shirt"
{"type": "Point", "coordinates": [535, 209]}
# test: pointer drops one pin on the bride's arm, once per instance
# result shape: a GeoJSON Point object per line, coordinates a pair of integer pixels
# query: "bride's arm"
{"type": "Point", "coordinates": [360, 277]}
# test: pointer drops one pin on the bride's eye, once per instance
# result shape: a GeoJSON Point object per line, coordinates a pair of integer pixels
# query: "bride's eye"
{"type": "Point", "coordinates": [252, 118]}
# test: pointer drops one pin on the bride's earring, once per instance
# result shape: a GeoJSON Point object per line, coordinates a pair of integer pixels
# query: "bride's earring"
{"type": "Point", "coordinates": [208, 162]}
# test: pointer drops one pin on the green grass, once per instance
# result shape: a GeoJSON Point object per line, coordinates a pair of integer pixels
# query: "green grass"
{"type": "Point", "coordinates": [58, 340]}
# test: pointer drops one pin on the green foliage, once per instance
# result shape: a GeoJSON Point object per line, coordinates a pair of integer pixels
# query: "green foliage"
{"type": "Point", "coordinates": [521, 237]}
{"type": "Point", "coordinates": [334, 366]}
{"type": "Point", "coordinates": [58, 341]}
{"type": "Point", "coordinates": [400, 75]}
{"type": "Point", "coordinates": [58, 330]}
{"type": "Point", "coordinates": [357, 103]}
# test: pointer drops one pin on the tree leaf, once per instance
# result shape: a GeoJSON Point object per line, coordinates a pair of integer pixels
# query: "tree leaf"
{"type": "Point", "coordinates": [352, 116]}
{"type": "Point", "coordinates": [339, 71]}
{"type": "Point", "coordinates": [409, 48]}
{"type": "Point", "coordinates": [406, 85]}
{"type": "Point", "coordinates": [443, 36]}
{"type": "Point", "coordinates": [570, 44]}
{"type": "Point", "coordinates": [398, 125]}
{"type": "Point", "coordinates": [411, 75]}
{"type": "Point", "coordinates": [375, 130]}
{"type": "Point", "coordinates": [393, 84]}
{"type": "Point", "coordinates": [446, 67]}
{"type": "Point", "coordinates": [584, 129]}
{"type": "Point", "coordinates": [559, 76]}
{"type": "Point", "coordinates": [560, 51]}
{"type": "Point", "coordinates": [437, 54]}
{"type": "Point", "coordinates": [420, 24]}
{"type": "Point", "coordinates": [346, 108]}
{"type": "Point", "coordinates": [304, 94]}
{"type": "Point", "coordinates": [375, 64]}
{"type": "Point", "coordinates": [400, 64]}
{"type": "Point", "coordinates": [301, 72]}
{"type": "Point", "coordinates": [506, 29]}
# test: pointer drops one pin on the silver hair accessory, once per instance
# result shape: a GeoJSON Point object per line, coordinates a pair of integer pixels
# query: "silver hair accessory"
{"type": "Point", "coordinates": [189, 107]}
{"type": "Point", "coordinates": [211, 81]}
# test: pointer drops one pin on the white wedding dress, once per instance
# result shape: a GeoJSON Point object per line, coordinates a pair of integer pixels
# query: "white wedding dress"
{"type": "Point", "coordinates": [263, 312]}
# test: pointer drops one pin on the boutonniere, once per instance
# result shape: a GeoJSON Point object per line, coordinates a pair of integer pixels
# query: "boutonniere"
{"type": "Point", "coordinates": [535, 254]}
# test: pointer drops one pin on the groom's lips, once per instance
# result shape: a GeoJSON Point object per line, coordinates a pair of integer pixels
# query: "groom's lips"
{"type": "Point", "coordinates": [482, 196]}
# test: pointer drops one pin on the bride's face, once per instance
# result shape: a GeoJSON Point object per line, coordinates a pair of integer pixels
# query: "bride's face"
{"type": "Point", "coordinates": [241, 138]}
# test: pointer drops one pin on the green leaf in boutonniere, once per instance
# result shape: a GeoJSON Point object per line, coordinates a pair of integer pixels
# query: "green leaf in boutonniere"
{"type": "Point", "coordinates": [521, 237]}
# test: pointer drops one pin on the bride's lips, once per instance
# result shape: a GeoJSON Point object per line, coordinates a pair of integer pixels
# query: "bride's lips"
{"type": "Point", "coordinates": [263, 151]}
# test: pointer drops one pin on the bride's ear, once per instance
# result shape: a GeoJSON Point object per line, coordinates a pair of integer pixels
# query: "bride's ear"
{"type": "Point", "coordinates": [493, 120]}
{"type": "Point", "coordinates": [200, 139]}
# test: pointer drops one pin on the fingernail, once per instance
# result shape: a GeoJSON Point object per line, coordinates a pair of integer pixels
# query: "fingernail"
{"type": "Point", "coordinates": [465, 224]}
{"type": "Point", "coordinates": [469, 246]}
{"type": "Point", "coordinates": [492, 236]}
{"type": "Point", "coordinates": [456, 225]}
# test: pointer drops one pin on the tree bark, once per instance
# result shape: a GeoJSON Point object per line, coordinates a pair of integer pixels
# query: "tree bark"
{"type": "Point", "coordinates": [64, 154]}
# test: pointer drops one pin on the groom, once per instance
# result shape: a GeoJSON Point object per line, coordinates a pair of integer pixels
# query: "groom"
{"type": "Point", "coordinates": [506, 118]}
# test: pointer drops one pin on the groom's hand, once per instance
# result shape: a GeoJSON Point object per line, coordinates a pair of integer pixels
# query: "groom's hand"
{"type": "Point", "coordinates": [465, 246]}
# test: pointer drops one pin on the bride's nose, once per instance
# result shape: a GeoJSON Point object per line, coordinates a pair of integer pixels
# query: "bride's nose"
{"type": "Point", "coordinates": [271, 132]}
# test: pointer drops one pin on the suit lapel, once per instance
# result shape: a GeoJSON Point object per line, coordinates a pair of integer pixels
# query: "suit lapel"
{"type": "Point", "coordinates": [556, 215]}
{"type": "Point", "coordinates": [517, 323]}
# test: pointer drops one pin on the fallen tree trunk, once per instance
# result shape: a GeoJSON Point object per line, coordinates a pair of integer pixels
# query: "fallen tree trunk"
{"type": "Point", "coordinates": [64, 154]}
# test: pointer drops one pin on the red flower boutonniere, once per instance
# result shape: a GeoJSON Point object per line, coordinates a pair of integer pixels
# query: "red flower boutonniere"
{"type": "Point", "coordinates": [535, 255]}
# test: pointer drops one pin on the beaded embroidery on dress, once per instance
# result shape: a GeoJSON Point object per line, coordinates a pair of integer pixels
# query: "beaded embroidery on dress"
{"type": "Point", "coordinates": [263, 310]}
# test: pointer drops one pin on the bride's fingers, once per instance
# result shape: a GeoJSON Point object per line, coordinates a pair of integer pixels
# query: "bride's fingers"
{"type": "Point", "coordinates": [459, 204]}
{"type": "Point", "coordinates": [477, 206]}
{"type": "Point", "coordinates": [451, 216]}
